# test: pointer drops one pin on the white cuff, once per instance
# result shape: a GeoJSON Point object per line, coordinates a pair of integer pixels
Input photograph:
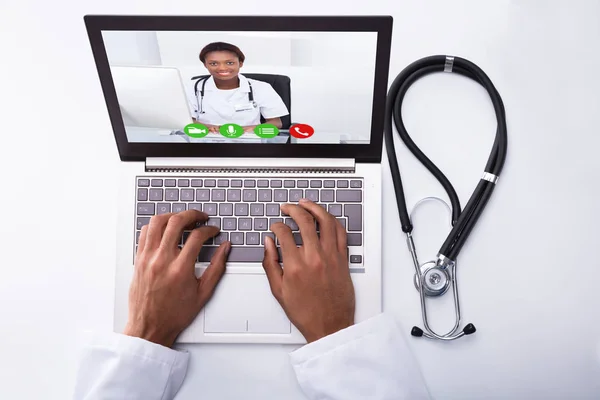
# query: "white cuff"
{"type": "Point", "coordinates": [373, 325]}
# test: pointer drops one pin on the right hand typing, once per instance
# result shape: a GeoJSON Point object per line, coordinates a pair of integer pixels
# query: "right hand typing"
{"type": "Point", "coordinates": [314, 287]}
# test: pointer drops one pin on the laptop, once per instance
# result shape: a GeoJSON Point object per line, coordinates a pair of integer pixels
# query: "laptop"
{"type": "Point", "coordinates": [334, 71]}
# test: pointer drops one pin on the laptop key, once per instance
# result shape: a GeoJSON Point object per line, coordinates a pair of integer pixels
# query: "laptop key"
{"type": "Point", "coordinates": [281, 195]}
{"type": "Point", "coordinates": [354, 239]}
{"type": "Point", "coordinates": [226, 209]}
{"type": "Point", "coordinates": [327, 196]}
{"type": "Point", "coordinates": [355, 259]}
{"type": "Point", "coordinates": [260, 224]}
{"type": "Point", "coordinates": [349, 196]}
{"type": "Point", "coordinates": [214, 222]}
{"type": "Point", "coordinates": [187, 194]}
{"type": "Point", "coordinates": [335, 210]}
{"type": "Point", "coordinates": [170, 182]}
{"type": "Point", "coordinates": [245, 224]}
{"type": "Point", "coordinates": [249, 194]}
{"type": "Point", "coordinates": [156, 195]}
{"type": "Point", "coordinates": [265, 195]}
{"type": "Point", "coordinates": [236, 183]}
{"type": "Point", "coordinates": [355, 184]}
{"type": "Point", "coordinates": [196, 182]}
{"type": "Point", "coordinates": [329, 184]}
{"type": "Point", "coordinates": [298, 238]}
{"type": "Point", "coordinates": [296, 194]}
{"type": "Point", "coordinates": [156, 182]}
{"type": "Point", "coordinates": [272, 210]}
{"type": "Point", "coordinates": [292, 224]}
{"type": "Point", "coordinates": [274, 221]}
{"type": "Point", "coordinates": [202, 194]}
{"type": "Point", "coordinates": [141, 221]}
{"type": "Point", "coordinates": [249, 183]}
{"type": "Point", "coordinates": [302, 183]}
{"type": "Point", "coordinates": [183, 183]}
{"type": "Point", "coordinates": [312, 195]}
{"type": "Point", "coordinates": [342, 184]}
{"type": "Point", "coordinates": [210, 209]}
{"type": "Point", "coordinates": [210, 183]}
{"type": "Point", "coordinates": [223, 183]}
{"type": "Point", "coordinates": [354, 214]}
{"type": "Point", "coordinates": [194, 206]}
{"type": "Point", "coordinates": [276, 183]}
{"type": "Point", "coordinates": [262, 183]}
{"type": "Point", "coordinates": [221, 238]}
{"type": "Point", "coordinates": [289, 184]}
{"type": "Point", "coordinates": [316, 184]}
{"type": "Point", "coordinates": [163, 208]}
{"type": "Point", "coordinates": [234, 195]}
{"type": "Point", "coordinates": [257, 210]}
{"type": "Point", "coordinates": [180, 207]}
{"type": "Point", "coordinates": [172, 194]}
{"type": "Point", "coordinates": [229, 224]}
{"type": "Point", "coordinates": [264, 235]}
{"type": "Point", "coordinates": [342, 221]}
{"type": "Point", "coordinates": [241, 209]}
{"type": "Point", "coordinates": [145, 209]}
{"type": "Point", "coordinates": [253, 238]}
{"type": "Point", "coordinates": [218, 195]}
{"type": "Point", "coordinates": [143, 182]}
{"type": "Point", "coordinates": [236, 238]}
{"type": "Point", "coordinates": [236, 254]}
{"type": "Point", "coordinates": [142, 195]}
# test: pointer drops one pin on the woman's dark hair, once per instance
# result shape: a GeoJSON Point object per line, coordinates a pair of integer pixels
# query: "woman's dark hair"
{"type": "Point", "coordinates": [221, 46]}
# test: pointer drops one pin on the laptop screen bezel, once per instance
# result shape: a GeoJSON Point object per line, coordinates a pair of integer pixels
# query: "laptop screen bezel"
{"type": "Point", "coordinates": [128, 151]}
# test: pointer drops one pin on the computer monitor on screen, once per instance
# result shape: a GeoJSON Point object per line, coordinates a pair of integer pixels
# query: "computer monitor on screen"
{"type": "Point", "coordinates": [151, 97]}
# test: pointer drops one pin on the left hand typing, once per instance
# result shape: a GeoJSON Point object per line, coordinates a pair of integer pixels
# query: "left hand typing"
{"type": "Point", "coordinates": [165, 295]}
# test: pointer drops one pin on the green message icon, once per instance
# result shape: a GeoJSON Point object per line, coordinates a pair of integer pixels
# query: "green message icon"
{"type": "Point", "coordinates": [231, 131]}
{"type": "Point", "coordinates": [196, 130]}
{"type": "Point", "coordinates": [266, 131]}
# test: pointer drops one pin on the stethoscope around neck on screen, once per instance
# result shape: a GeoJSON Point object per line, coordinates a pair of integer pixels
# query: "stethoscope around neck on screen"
{"type": "Point", "coordinates": [200, 97]}
{"type": "Point", "coordinates": [434, 278]}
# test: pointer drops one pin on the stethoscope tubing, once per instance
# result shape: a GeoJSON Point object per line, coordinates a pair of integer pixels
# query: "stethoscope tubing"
{"type": "Point", "coordinates": [462, 221]}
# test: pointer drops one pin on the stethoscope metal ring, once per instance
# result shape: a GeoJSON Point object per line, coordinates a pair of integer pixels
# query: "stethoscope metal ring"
{"type": "Point", "coordinates": [436, 281]}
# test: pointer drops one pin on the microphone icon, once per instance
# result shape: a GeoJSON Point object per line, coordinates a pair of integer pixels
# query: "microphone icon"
{"type": "Point", "coordinates": [230, 129]}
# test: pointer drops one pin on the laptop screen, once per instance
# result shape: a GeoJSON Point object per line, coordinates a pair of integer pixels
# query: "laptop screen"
{"type": "Point", "coordinates": [243, 86]}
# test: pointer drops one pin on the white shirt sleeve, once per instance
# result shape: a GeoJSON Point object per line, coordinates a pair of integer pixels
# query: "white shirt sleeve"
{"type": "Point", "coordinates": [369, 360]}
{"type": "Point", "coordinates": [270, 103]}
{"type": "Point", "coordinates": [115, 366]}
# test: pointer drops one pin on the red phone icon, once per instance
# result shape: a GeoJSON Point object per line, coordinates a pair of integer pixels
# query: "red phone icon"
{"type": "Point", "coordinates": [301, 131]}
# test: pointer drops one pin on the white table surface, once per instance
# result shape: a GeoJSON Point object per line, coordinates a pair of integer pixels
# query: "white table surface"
{"type": "Point", "coordinates": [527, 275]}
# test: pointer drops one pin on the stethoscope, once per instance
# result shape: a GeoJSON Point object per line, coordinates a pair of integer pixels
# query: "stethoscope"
{"type": "Point", "coordinates": [200, 100]}
{"type": "Point", "coordinates": [434, 278]}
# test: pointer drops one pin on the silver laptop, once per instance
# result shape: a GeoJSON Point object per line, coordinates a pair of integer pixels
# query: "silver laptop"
{"type": "Point", "coordinates": [330, 72]}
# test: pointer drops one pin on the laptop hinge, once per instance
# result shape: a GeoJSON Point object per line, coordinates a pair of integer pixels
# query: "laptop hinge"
{"type": "Point", "coordinates": [304, 165]}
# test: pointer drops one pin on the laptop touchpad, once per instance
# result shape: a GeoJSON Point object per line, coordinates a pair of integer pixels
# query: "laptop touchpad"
{"type": "Point", "coordinates": [243, 303]}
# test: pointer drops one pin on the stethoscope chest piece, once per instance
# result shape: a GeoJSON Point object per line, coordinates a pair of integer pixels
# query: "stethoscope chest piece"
{"type": "Point", "coordinates": [436, 280]}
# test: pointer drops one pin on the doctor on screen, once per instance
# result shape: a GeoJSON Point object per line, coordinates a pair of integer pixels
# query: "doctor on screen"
{"type": "Point", "coordinates": [229, 97]}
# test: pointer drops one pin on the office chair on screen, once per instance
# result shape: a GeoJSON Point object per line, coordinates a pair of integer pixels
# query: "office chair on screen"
{"type": "Point", "coordinates": [280, 83]}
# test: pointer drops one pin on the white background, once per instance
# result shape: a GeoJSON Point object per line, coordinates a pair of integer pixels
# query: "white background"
{"type": "Point", "coordinates": [528, 274]}
{"type": "Point", "coordinates": [332, 71]}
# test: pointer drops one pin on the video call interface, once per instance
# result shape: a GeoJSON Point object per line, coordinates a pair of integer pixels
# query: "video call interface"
{"type": "Point", "coordinates": [244, 86]}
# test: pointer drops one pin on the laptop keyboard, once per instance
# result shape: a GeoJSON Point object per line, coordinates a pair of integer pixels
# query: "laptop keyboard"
{"type": "Point", "coordinates": [244, 209]}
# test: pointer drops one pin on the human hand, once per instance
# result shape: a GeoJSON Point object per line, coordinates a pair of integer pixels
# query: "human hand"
{"type": "Point", "coordinates": [213, 128]}
{"type": "Point", "coordinates": [314, 287]}
{"type": "Point", "coordinates": [165, 296]}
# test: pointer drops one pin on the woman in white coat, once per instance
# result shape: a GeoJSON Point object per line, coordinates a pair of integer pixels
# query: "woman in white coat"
{"type": "Point", "coordinates": [228, 97]}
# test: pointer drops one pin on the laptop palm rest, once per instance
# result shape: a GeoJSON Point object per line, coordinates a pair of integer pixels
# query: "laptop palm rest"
{"type": "Point", "coordinates": [243, 303]}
